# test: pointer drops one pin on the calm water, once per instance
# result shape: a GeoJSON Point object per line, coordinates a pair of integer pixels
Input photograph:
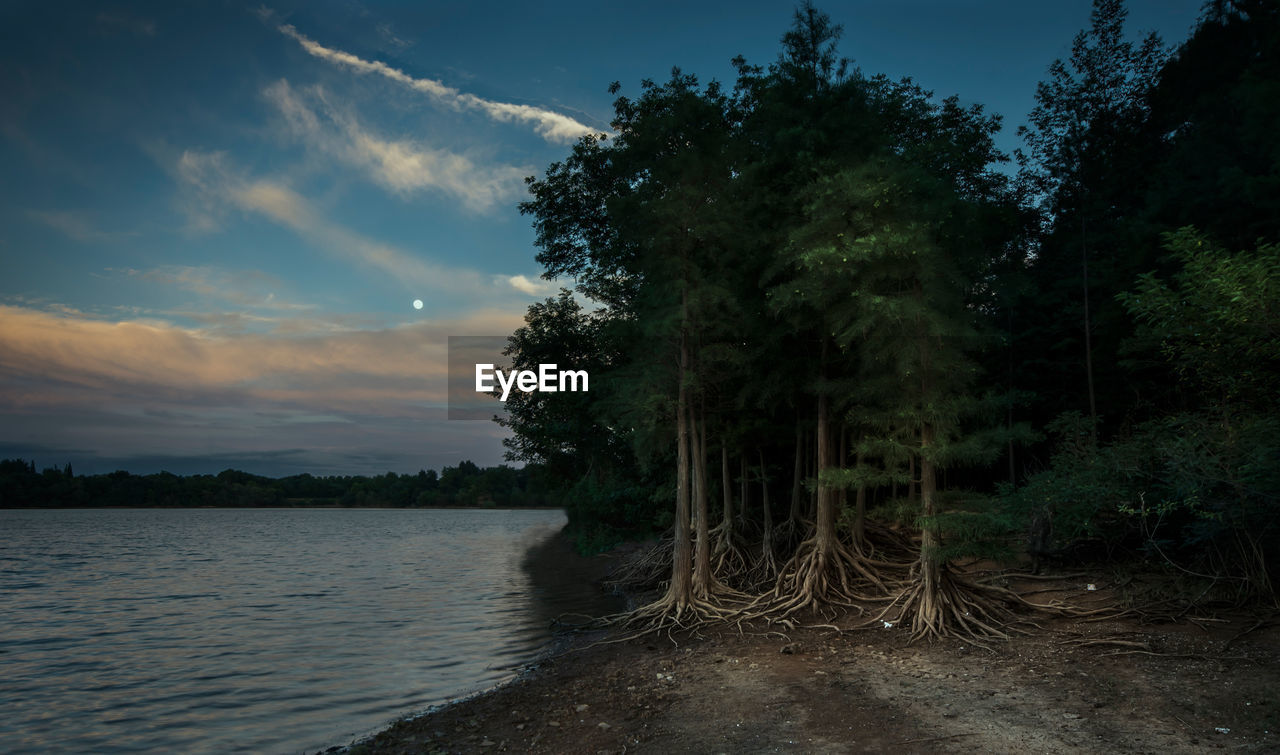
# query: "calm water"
{"type": "Point", "coordinates": [259, 630]}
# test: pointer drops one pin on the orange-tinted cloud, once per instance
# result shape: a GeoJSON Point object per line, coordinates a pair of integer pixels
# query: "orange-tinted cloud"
{"type": "Point", "coordinates": [59, 358]}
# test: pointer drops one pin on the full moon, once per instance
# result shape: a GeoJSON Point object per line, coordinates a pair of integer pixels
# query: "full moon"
{"type": "Point", "coordinates": [417, 304]}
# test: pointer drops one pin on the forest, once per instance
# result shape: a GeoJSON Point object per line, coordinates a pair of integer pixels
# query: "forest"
{"type": "Point", "coordinates": [842, 348]}
{"type": "Point", "coordinates": [467, 484]}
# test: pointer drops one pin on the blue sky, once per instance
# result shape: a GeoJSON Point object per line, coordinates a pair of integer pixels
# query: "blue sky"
{"type": "Point", "coordinates": [215, 216]}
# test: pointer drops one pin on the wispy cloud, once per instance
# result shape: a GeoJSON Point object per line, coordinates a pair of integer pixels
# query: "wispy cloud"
{"type": "Point", "coordinates": [249, 289]}
{"type": "Point", "coordinates": [550, 125]}
{"type": "Point", "coordinates": [217, 183]}
{"type": "Point", "coordinates": [77, 226]}
{"type": "Point", "coordinates": [212, 176]}
{"type": "Point", "coordinates": [402, 166]}
{"type": "Point", "coordinates": [389, 36]}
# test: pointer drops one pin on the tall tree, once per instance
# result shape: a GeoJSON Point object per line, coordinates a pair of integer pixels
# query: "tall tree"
{"type": "Point", "coordinates": [1086, 162]}
{"type": "Point", "coordinates": [1214, 114]}
{"type": "Point", "coordinates": [649, 227]}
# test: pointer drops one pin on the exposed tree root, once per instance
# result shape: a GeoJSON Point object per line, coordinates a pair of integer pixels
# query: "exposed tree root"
{"type": "Point", "coordinates": [948, 606]}
{"type": "Point", "coordinates": [764, 571]}
{"type": "Point", "coordinates": [791, 533]}
{"type": "Point", "coordinates": [645, 570]}
{"type": "Point", "coordinates": [716, 592]}
{"type": "Point", "coordinates": [1260, 623]}
{"type": "Point", "coordinates": [890, 565]}
{"type": "Point", "coordinates": [673, 614]}
{"type": "Point", "coordinates": [1028, 576]}
{"type": "Point", "coordinates": [1141, 647]}
{"type": "Point", "coordinates": [885, 546]}
{"type": "Point", "coordinates": [822, 577]}
{"type": "Point", "coordinates": [729, 562]}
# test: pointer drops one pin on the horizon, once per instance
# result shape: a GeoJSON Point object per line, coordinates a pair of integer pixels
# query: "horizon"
{"type": "Point", "coordinates": [42, 468]}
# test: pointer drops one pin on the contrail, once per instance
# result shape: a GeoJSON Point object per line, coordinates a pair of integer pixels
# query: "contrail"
{"type": "Point", "coordinates": [550, 125]}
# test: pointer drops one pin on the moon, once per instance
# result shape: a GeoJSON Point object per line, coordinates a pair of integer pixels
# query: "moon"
{"type": "Point", "coordinates": [417, 304]}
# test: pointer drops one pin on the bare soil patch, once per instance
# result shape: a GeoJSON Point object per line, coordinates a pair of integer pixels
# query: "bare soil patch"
{"type": "Point", "coordinates": [1115, 686]}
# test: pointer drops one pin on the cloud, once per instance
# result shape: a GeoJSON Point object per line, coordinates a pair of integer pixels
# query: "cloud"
{"type": "Point", "coordinates": [250, 289]}
{"type": "Point", "coordinates": [388, 35]}
{"type": "Point", "coordinates": [210, 175]}
{"type": "Point", "coordinates": [60, 359]}
{"type": "Point", "coordinates": [76, 226]}
{"type": "Point", "coordinates": [532, 287]}
{"type": "Point", "coordinates": [399, 165]}
{"type": "Point", "coordinates": [550, 125]}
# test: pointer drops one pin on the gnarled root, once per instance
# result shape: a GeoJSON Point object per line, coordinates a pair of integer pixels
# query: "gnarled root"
{"type": "Point", "coordinates": [886, 546]}
{"type": "Point", "coordinates": [765, 569]}
{"type": "Point", "coordinates": [729, 561]}
{"type": "Point", "coordinates": [821, 576]}
{"type": "Point", "coordinates": [791, 534]}
{"type": "Point", "coordinates": [949, 606]}
{"type": "Point", "coordinates": [674, 613]}
{"type": "Point", "coordinates": [645, 570]}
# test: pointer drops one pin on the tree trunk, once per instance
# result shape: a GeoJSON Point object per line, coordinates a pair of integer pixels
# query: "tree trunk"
{"type": "Point", "coordinates": [796, 476]}
{"type": "Point", "coordinates": [930, 537]}
{"type": "Point", "coordinates": [703, 582]}
{"type": "Point", "coordinates": [680, 591]}
{"type": "Point", "coordinates": [844, 455]}
{"type": "Point", "coordinates": [764, 494]}
{"type": "Point", "coordinates": [1088, 335]}
{"type": "Point", "coordinates": [726, 481]}
{"type": "Point", "coordinates": [814, 466]}
{"type": "Point", "coordinates": [825, 520]}
{"type": "Point", "coordinates": [859, 507]}
{"type": "Point", "coordinates": [911, 480]}
{"type": "Point", "coordinates": [930, 540]}
{"type": "Point", "coordinates": [1013, 466]}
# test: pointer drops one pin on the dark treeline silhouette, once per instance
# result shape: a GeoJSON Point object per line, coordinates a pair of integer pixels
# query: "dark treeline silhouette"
{"type": "Point", "coordinates": [22, 486]}
{"type": "Point", "coordinates": [837, 349]}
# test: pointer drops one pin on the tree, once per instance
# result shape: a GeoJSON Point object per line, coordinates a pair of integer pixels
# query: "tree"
{"type": "Point", "coordinates": [1087, 158]}
{"type": "Point", "coordinates": [883, 229]}
{"type": "Point", "coordinates": [645, 222]}
{"type": "Point", "coordinates": [1216, 321]}
{"type": "Point", "coordinates": [1213, 116]}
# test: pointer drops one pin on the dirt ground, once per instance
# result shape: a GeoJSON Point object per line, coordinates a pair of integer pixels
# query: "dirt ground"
{"type": "Point", "coordinates": [1115, 686]}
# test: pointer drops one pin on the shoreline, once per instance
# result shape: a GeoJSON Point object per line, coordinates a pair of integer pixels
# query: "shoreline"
{"type": "Point", "coordinates": [1063, 686]}
{"type": "Point", "coordinates": [554, 557]}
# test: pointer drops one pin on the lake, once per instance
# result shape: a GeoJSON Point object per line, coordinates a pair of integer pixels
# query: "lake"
{"type": "Point", "coordinates": [262, 630]}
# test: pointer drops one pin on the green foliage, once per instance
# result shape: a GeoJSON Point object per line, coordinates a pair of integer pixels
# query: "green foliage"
{"type": "Point", "coordinates": [1216, 320]}
{"type": "Point", "coordinates": [1214, 116]}
{"type": "Point", "coordinates": [1206, 495]}
{"type": "Point", "coordinates": [1082, 488]}
{"type": "Point", "coordinates": [972, 526]}
{"type": "Point", "coordinates": [840, 247]}
{"type": "Point", "coordinates": [969, 524]}
{"type": "Point", "coordinates": [603, 514]}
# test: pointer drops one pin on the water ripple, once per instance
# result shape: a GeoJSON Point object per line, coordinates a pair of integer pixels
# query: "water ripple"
{"type": "Point", "coordinates": [217, 630]}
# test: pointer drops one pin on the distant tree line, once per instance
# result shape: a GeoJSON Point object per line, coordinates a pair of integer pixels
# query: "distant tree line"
{"type": "Point", "coordinates": [464, 485]}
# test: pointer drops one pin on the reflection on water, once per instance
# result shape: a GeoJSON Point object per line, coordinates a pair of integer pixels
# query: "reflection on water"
{"type": "Point", "coordinates": [263, 630]}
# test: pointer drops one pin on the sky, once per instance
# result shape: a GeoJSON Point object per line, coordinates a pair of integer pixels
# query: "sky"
{"type": "Point", "coordinates": [216, 217]}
